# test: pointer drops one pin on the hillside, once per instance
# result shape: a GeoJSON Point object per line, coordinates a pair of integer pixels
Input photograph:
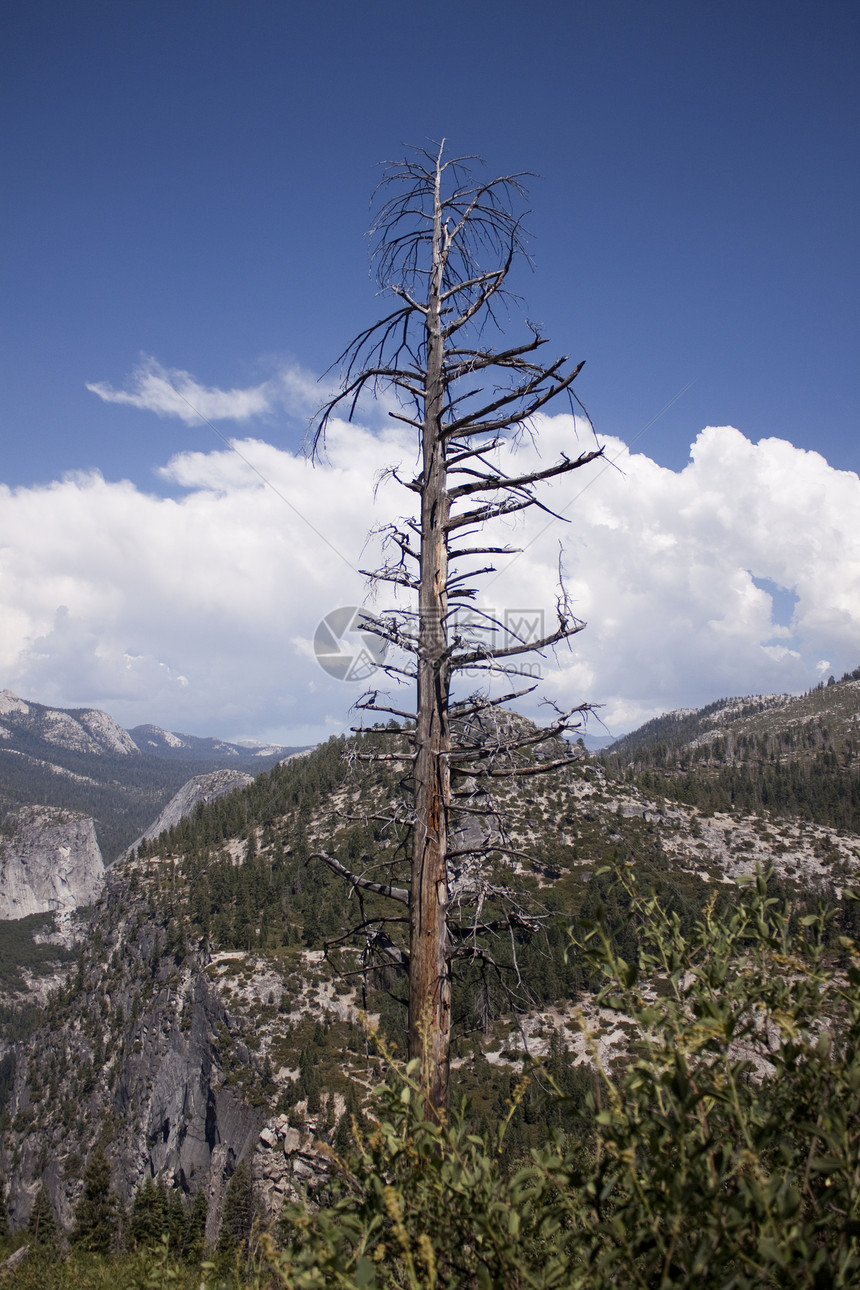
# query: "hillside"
{"type": "Point", "coordinates": [211, 1011]}
{"type": "Point", "coordinates": [791, 757]}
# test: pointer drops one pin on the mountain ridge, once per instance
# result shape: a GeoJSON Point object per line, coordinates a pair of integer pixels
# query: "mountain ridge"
{"type": "Point", "coordinates": [683, 726]}
{"type": "Point", "coordinates": [203, 1024]}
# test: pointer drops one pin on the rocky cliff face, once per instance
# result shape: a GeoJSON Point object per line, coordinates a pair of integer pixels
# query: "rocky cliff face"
{"type": "Point", "coordinates": [147, 1045]}
{"type": "Point", "coordinates": [49, 860]}
{"type": "Point", "coordinates": [136, 1043]}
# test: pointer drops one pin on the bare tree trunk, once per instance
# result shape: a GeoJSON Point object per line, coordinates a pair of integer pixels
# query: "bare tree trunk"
{"type": "Point", "coordinates": [445, 244]}
{"type": "Point", "coordinates": [429, 964]}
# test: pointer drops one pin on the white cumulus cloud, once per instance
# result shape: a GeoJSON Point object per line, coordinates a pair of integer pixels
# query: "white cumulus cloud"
{"type": "Point", "coordinates": [198, 612]}
{"type": "Point", "coordinates": [664, 565]}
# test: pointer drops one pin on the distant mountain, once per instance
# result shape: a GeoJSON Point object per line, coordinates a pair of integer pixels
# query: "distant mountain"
{"type": "Point", "coordinates": [597, 743]}
{"type": "Point", "coordinates": [83, 760]}
{"type": "Point", "coordinates": [686, 726]}
{"type": "Point", "coordinates": [75, 730]}
{"type": "Point", "coordinates": [835, 706]}
{"type": "Point", "coordinates": [164, 743]}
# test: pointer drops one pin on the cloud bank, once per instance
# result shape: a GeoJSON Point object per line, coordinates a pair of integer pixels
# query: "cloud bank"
{"type": "Point", "coordinates": [198, 612]}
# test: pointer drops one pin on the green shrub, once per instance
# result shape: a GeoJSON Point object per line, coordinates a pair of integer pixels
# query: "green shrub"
{"type": "Point", "coordinates": [725, 1153]}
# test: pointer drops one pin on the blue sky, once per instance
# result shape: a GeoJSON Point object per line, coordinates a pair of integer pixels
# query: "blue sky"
{"type": "Point", "coordinates": [191, 182]}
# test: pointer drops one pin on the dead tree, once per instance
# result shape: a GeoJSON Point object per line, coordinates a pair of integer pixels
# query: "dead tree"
{"type": "Point", "coordinates": [445, 243]}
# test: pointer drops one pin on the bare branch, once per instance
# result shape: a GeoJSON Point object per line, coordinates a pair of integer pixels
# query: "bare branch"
{"type": "Point", "coordinates": [368, 703]}
{"type": "Point", "coordinates": [356, 880]}
{"type": "Point", "coordinates": [517, 772]}
{"type": "Point", "coordinates": [391, 573]}
{"type": "Point", "coordinates": [474, 704]}
{"type": "Point", "coordinates": [491, 511]}
{"type": "Point", "coordinates": [566, 629]}
{"type": "Point", "coordinates": [499, 481]}
{"type": "Point", "coordinates": [475, 423]}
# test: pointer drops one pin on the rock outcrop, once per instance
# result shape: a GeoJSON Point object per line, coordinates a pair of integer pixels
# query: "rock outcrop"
{"type": "Point", "coordinates": [49, 860]}
{"type": "Point", "coordinates": [200, 788]}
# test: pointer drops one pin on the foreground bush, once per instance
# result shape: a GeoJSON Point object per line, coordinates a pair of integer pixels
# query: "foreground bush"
{"type": "Point", "coordinates": [83, 1270]}
{"type": "Point", "coordinates": [726, 1154]}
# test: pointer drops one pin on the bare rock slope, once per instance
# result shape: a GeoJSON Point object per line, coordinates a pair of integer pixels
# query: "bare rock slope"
{"type": "Point", "coordinates": [49, 860]}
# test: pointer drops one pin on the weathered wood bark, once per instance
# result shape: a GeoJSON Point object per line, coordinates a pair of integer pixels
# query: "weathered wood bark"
{"type": "Point", "coordinates": [429, 964]}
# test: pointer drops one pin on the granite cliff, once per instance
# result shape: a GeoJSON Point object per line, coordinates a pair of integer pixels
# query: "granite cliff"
{"type": "Point", "coordinates": [49, 860]}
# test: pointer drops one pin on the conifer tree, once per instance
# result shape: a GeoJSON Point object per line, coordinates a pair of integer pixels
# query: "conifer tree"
{"type": "Point", "coordinates": [42, 1226]}
{"type": "Point", "coordinates": [96, 1215]}
{"type": "Point", "coordinates": [240, 1210]}
{"type": "Point", "coordinates": [175, 1218]}
{"type": "Point", "coordinates": [195, 1230]}
{"type": "Point", "coordinates": [147, 1218]}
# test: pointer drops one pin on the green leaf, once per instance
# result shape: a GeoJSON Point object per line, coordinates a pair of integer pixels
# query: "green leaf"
{"type": "Point", "coordinates": [365, 1273]}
